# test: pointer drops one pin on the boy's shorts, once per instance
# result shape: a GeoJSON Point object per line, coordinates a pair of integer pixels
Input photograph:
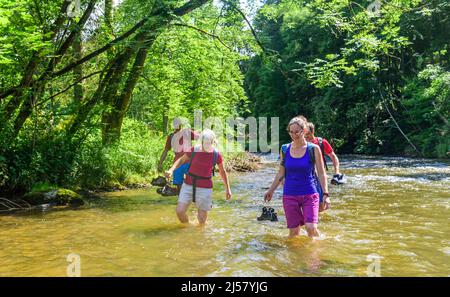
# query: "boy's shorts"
{"type": "Point", "coordinates": [301, 209]}
{"type": "Point", "coordinates": [203, 197]}
{"type": "Point", "coordinates": [178, 174]}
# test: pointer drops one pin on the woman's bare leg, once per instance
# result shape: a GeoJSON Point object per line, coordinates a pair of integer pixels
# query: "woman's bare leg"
{"type": "Point", "coordinates": [181, 212]}
{"type": "Point", "coordinates": [312, 230]}
{"type": "Point", "coordinates": [294, 232]}
{"type": "Point", "coordinates": [202, 215]}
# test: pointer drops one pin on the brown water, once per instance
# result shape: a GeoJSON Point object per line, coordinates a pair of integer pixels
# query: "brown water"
{"type": "Point", "coordinates": [395, 208]}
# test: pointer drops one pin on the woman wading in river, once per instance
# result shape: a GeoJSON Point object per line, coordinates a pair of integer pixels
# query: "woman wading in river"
{"type": "Point", "coordinates": [197, 186]}
{"type": "Point", "coordinates": [300, 195]}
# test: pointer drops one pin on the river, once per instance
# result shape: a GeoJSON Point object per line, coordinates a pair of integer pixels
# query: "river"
{"type": "Point", "coordinates": [390, 219]}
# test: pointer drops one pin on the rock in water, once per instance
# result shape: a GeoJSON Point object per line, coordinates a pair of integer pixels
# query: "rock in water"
{"type": "Point", "coordinates": [58, 197]}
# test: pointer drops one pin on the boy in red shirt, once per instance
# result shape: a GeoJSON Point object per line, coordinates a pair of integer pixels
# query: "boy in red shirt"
{"type": "Point", "coordinates": [325, 148]}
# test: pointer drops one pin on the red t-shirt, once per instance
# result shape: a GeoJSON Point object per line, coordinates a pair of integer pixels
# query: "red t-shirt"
{"type": "Point", "coordinates": [202, 165]}
{"type": "Point", "coordinates": [179, 147]}
{"type": "Point", "coordinates": [327, 149]}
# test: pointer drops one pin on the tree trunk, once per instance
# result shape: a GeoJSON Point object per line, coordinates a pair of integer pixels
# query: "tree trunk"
{"type": "Point", "coordinates": [105, 84]}
{"type": "Point", "coordinates": [165, 124]}
{"type": "Point", "coordinates": [113, 120]}
{"type": "Point", "coordinates": [108, 15]}
{"type": "Point", "coordinates": [35, 59]}
{"type": "Point", "coordinates": [26, 109]}
{"type": "Point", "coordinates": [108, 90]}
{"type": "Point", "coordinates": [18, 95]}
{"type": "Point", "coordinates": [78, 71]}
{"type": "Point", "coordinates": [36, 88]}
{"type": "Point", "coordinates": [109, 116]}
{"type": "Point", "coordinates": [84, 109]}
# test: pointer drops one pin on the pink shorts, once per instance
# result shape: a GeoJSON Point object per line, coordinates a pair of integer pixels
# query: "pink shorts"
{"type": "Point", "coordinates": [301, 209]}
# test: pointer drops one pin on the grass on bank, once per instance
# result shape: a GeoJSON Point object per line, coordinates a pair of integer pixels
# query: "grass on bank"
{"type": "Point", "coordinates": [130, 163]}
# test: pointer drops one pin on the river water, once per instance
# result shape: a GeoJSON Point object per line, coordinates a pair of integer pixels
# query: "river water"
{"type": "Point", "coordinates": [390, 219]}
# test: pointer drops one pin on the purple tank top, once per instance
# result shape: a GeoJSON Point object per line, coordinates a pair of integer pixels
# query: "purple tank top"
{"type": "Point", "coordinates": [299, 175]}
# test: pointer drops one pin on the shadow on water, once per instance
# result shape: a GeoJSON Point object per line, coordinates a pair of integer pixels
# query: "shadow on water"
{"type": "Point", "coordinates": [117, 202]}
{"type": "Point", "coordinates": [355, 161]}
{"type": "Point", "coordinates": [311, 258]}
{"type": "Point", "coordinates": [259, 244]}
{"type": "Point", "coordinates": [127, 202]}
{"type": "Point", "coordinates": [42, 210]}
{"type": "Point", "coordinates": [165, 230]}
{"type": "Point", "coordinates": [428, 176]}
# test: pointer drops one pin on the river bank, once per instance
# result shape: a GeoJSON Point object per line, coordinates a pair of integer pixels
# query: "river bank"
{"type": "Point", "coordinates": [46, 196]}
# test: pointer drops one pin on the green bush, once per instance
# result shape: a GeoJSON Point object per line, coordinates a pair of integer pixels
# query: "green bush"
{"type": "Point", "coordinates": [3, 171]}
{"type": "Point", "coordinates": [427, 102]}
{"type": "Point", "coordinates": [133, 160]}
{"type": "Point", "coordinates": [49, 161]}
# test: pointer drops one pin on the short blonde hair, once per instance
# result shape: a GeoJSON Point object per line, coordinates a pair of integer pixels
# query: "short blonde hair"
{"type": "Point", "coordinates": [208, 135]}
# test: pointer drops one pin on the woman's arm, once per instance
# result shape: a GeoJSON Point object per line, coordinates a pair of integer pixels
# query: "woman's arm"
{"type": "Point", "coordinates": [224, 176]}
{"type": "Point", "coordinates": [276, 182]}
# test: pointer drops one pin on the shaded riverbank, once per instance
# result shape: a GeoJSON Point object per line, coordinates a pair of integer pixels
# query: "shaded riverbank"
{"type": "Point", "coordinates": [46, 196]}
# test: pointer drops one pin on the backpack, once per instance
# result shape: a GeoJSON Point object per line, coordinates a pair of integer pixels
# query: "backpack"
{"type": "Point", "coordinates": [196, 177]}
{"type": "Point", "coordinates": [215, 156]}
{"type": "Point", "coordinates": [320, 140]}
{"type": "Point", "coordinates": [312, 158]}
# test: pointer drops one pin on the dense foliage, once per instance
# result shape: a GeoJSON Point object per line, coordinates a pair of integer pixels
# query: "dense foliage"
{"type": "Point", "coordinates": [374, 81]}
{"type": "Point", "coordinates": [86, 95]}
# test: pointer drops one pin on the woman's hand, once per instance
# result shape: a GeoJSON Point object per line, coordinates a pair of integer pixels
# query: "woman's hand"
{"type": "Point", "coordinates": [326, 203]}
{"type": "Point", "coordinates": [228, 194]}
{"type": "Point", "coordinates": [268, 195]}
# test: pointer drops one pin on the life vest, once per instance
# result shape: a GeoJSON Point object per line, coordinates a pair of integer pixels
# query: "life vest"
{"type": "Point", "coordinates": [198, 177]}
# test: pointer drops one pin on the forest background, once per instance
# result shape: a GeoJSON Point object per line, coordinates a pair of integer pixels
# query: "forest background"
{"type": "Point", "coordinates": [87, 91]}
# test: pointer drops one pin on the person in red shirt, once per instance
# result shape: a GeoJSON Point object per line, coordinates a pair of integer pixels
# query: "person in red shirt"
{"type": "Point", "coordinates": [198, 184]}
{"type": "Point", "coordinates": [325, 147]}
{"type": "Point", "coordinates": [181, 142]}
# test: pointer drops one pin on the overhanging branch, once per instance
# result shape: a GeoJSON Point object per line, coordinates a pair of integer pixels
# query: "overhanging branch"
{"type": "Point", "coordinates": [204, 32]}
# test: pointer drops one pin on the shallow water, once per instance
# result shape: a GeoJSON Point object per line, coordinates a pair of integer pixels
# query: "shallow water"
{"type": "Point", "coordinates": [396, 209]}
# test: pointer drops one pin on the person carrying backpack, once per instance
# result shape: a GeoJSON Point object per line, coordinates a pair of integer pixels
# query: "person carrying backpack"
{"type": "Point", "coordinates": [325, 149]}
{"type": "Point", "coordinates": [197, 186]}
{"type": "Point", "coordinates": [300, 194]}
{"type": "Point", "coordinates": [180, 140]}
